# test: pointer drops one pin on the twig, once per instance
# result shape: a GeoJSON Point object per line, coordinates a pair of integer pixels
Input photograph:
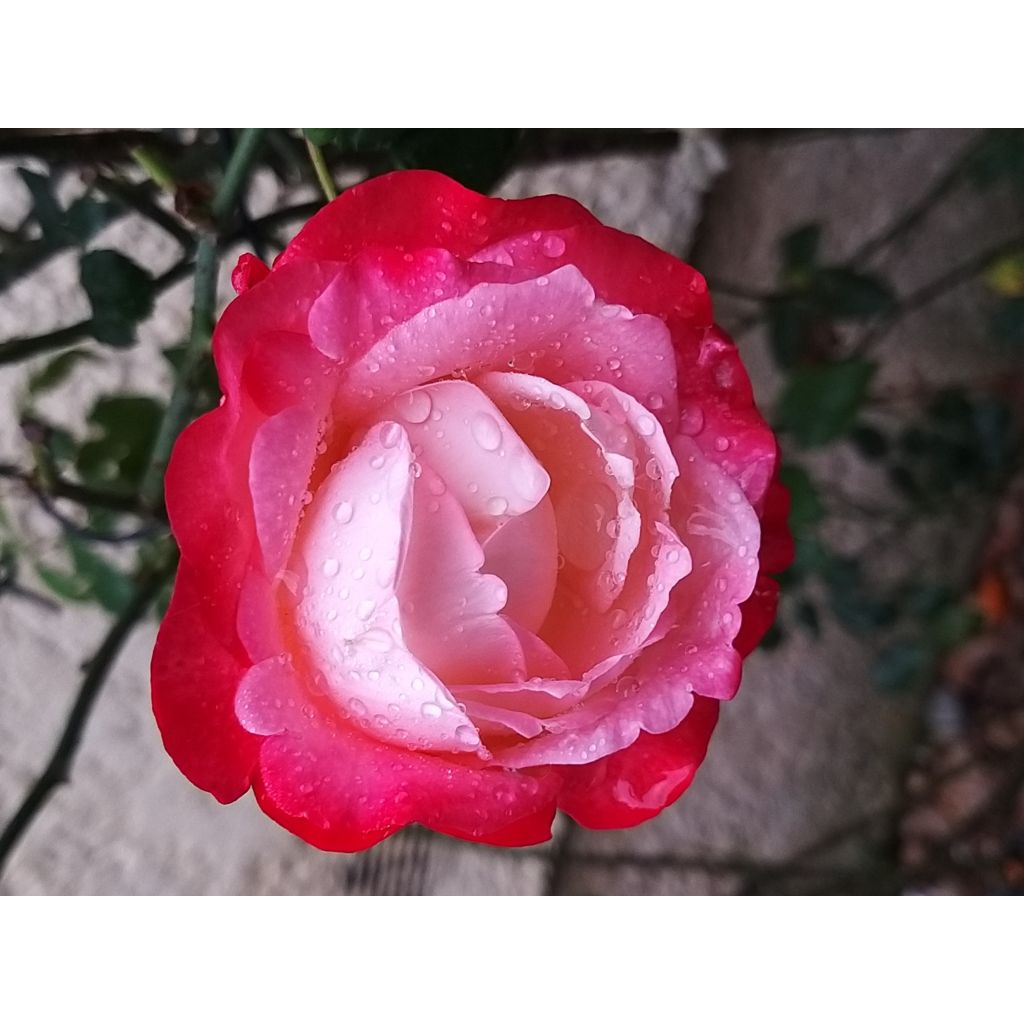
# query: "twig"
{"type": "Point", "coordinates": [16, 349]}
{"type": "Point", "coordinates": [935, 289]}
{"type": "Point", "coordinates": [323, 174]}
{"type": "Point", "coordinates": [914, 214]}
{"type": "Point", "coordinates": [72, 145]}
{"type": "Point", "coordinates": [204, 302]}
{"type": "Point", "coordinates": [58, 768]}
{"type": "Point", "coordinates": [56, 486]}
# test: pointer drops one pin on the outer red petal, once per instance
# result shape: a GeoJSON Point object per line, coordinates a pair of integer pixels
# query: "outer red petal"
{"type": "Point", "coordinates": [194, 678]}
{"type": "Point", "coordinates": [412, 210]}
{"type": "Point", "coordinates": [340, 789]}
{"type": "Point", "coordinates": [636, 783]}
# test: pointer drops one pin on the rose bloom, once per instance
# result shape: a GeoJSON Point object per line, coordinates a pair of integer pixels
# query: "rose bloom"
{"type": "Point", "coordinates": [480, 529]}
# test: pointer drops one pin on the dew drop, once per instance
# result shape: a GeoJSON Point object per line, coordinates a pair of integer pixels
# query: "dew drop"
{"type": "Point", "coordinates": [645, 425]}
{"type": "Point", "coordinates": [430, 710]}
{"type": "Point", "coordinates": [467, 736]}
{"type": "Point", "coordinates": [486, 431]}
{"type": "Point", "coordinates": [415, 406]}
{"type": "Point", "coordinates": [691, 420]}
{"type": "Point", "coordinates": [331, 567]}
{"type": "Point", "coordinates": [390, 435]}
{"type": "Point", "coordinates": [377, 640]}
{"type": "Point", "coordinates": [553, 246]}
{"type": "Point", "coordinates": [365, 609]}
{"type": "Point", "coordinates": [497, 506]}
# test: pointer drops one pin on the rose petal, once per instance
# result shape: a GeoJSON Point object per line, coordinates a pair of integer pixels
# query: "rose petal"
{"type": "Point", "coordinates": [341, 789]}
{"type": "Point", "coordinates": [469, 444]}
{"type": "Point", "coordinates": [410, 210]}
{"type": "Point", "coordinates": [282, 457]}
{"type": "Point", "coordinates": [591, 488]}
{"type": "Point", "coordinates": [449, 608]}
{"type": "Point", "coordinates": [633, 785]}
{"type": "Point", "coordinates": [194, 682]}
{"type": "Point", "coordinates": [552, 327]}
{"type": "Point", "coordinates": [523, 553]}
{"type": "Point", "coordinates": [348, 610]}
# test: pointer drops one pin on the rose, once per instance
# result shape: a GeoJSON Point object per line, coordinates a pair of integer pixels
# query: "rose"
{"type": "Point", "coordinates": [480, 528]}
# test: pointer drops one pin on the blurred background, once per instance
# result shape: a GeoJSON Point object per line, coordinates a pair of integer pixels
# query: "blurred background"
{"type": "Point", "coordinates": [874, 282]}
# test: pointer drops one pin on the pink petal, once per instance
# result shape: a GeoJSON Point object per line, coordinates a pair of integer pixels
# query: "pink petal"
{"type": "Point", "coordinates": [636, 783]}
{"type": "Point", "coordinates": [551, 326]}
{"type": "Point", "coordinates": [449, 608]}
{"type": "Point", "coordinates": [456, 430]}
{"type": "Point", "coordinates": [352, 546]}
{"type": "Point", "coordinates": [598, 525]}
{"type": "Point", "coordinates": [341, 789]}
{"type": "Point", "coordinates": [523, 552]}
{"type": "Point", "coordinates": [280, 465]}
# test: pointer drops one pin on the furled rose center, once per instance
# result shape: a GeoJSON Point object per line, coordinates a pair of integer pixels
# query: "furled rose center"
{"type": "Point", "coordinates": [457, 559]}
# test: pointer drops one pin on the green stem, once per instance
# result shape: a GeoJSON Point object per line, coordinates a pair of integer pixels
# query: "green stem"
{"type": "Point", "coordinates": [180, 404]}
{"type": "Point", "coordinates": [236, 173]}
{"type": "Point", "coordinates": [57, 771]}
{"type": "Point", "coordinates": [16, 349]}
{"type": "Point", "coordinates": [323, 175]}
{"type": "Point", "coordinates": [155, 168]}
{"type": "Point", "coordinates": [23, 348]}
{"type": "Point", "coordinates": [204, 303]}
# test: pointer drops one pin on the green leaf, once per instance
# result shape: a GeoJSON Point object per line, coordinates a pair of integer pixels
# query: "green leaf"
{"type": "Point", "coordinates": [954, 624]}
{"type": "Point", "coordinates": [124, 430]}
{"type": "Point", "coordinates": [806, 508]}
{"type": "Point", "coordinates": [476, 157]}
{"type": "Point", "coordinates": [807, 616]}
{"type": "Point", "coordinates": [63, 584]}
{"type": "Point", "coordinates": [57, 370]}
{"type": "Point", "coordinates": [86, 216]}
{"type": "Point", "coordinates": [356, 140]}
{"type": "Point", "coordinates": [1008, 322]}
{"type": "Point", "coordinates": [902, 665]}
{"type": "Point", "coordinates": [870, 442]}
{"type": "Point", "coordinates": [790, 326]}
{"type": "Point", "coordinates": [107, 585]}
{"type": "Point", "coordinates": [1000, 158]}
{"type": "Point", "coordinates": [846, 294]}
{"type": "Point", "coordinates": [120, 292]}
{"type": "Point", "coordinates": [821, 403]}
{"type": "Point", "coordinates": [45, 208]}
{"type": "Point", "coordinates": [799, 250]}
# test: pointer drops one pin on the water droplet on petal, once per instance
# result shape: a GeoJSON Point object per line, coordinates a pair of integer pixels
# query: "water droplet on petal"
{"type": "Point", "coordinates": [365, 609]}
{"type": "Point", "coordinates": [331, 567]}
{"type": "Point", "coordinates": [646, 426]}
{"type": "Point", "coordinates": [691, 420]}
{"type": "Point", "coordinates": [390, 435]}
{"type": "Point", "coordinates": [497, 506]}
{"type": "Point", "coordinates": [553, 246]}
{"type": "Point", "coordinates": [343, 512]}
{"type": "Point", "coordinates": [377, 640]}
{"type": "Point", "coordinates": [430, 710]}
{"type": "Point", "coordinates": [467, 736]}
{"type": "Point", "coordinates": [414, 406]}
{"type": "Point", "coordinates": [486, 431]}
